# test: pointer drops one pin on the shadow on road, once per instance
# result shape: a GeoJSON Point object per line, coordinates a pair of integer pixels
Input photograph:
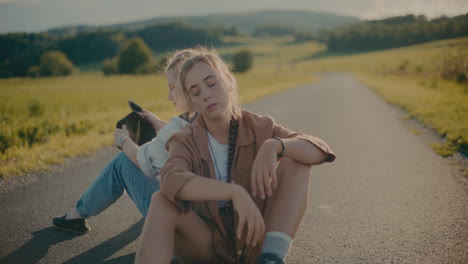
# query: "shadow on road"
{"type": "Point", "coordinates": [37, 247]}
{"type": "Point", "coordinates": [101, 252]}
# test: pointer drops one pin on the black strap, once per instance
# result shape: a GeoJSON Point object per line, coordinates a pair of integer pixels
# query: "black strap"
{"type": "Point", "coordinates": [233, 127]}
{"type": "Point", "coordinates": [189, 116]}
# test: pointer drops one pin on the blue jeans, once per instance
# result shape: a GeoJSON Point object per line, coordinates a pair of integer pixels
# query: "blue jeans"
{"type": "Point", "coordinates": [119, 175]}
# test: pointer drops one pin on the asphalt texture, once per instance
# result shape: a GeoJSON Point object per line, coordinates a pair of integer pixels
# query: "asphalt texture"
{"type": "Point", "coordinates": [388, 198]}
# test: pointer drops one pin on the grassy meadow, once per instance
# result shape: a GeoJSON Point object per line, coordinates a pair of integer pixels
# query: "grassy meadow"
{"type": "Point", "coordinates": [44, 121]}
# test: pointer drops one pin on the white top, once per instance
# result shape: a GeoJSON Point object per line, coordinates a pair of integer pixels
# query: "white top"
{"type": "Point", "coordinates": [152, 155]}
{"type": "Point", "coordinates": [219, 155]}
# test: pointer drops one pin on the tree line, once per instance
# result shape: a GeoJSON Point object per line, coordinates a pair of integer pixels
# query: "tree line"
{"type": "Point", "coordinates": [20, 53]}
{"type": "Point", "coordinates": [394, 32]}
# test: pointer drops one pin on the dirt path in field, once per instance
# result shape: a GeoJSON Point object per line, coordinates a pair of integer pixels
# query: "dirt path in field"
{"type": "Point", "coordinates": [388, 198]}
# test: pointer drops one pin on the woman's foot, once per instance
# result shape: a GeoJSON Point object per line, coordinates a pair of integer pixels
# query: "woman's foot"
{"type": "Point", "coordinates": [77, 225]}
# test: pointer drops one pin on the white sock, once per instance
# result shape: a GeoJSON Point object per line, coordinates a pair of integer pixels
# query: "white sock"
{"type": "Point", "coordinates": [73, 214]}
{"type": "Point", "coordinates": [277, 243]}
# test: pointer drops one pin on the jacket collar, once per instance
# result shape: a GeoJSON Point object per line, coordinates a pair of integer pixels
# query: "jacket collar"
{"type": "Point", "coordinates": [245, 134]}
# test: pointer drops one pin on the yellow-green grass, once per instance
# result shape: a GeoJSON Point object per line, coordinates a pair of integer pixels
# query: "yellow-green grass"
{"type": "Point", "coordinates": [410, 77]}
{"type": "Point", "coordinates": [422, 58]}
{"type": "Point", "coordinates": [79, 112]}
{"type": "Point", "coordinates": [443, 107]}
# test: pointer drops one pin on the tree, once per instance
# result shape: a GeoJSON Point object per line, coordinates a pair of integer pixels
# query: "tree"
{"type": "Point", "coordinates": [109, 66]}
{"type": "Point", "coordinates": [242, 61]}
{"type": "Point", "coordinates": [55, 63]}
{"type": "Point", "coordinates": [91, 46]}
{"type": "Point", "coordinates": [135, 58]}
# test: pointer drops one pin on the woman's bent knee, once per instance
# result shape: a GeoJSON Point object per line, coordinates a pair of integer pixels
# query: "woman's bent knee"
{"type": "Point", "coordinates": [160, 203]}
{"type": "Point", "coordinates": [293, 169]}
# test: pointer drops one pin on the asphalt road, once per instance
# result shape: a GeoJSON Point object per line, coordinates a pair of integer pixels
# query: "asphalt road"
{"type": "Point", "coordinates": [388, 198]}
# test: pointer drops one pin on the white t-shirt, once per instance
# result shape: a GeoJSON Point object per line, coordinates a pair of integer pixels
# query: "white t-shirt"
{"type": "Point", "coordinates": [219, 155]}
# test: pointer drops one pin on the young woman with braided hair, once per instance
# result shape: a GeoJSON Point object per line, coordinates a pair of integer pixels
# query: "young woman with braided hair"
{"type": "Point", "coordinates": [224, 198]}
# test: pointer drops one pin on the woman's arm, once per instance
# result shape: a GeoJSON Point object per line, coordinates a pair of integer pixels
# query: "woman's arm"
{"type": "Point", "coordinates": [299, 150]}
{"type": "Point", "coordinates": [150, 157]}
{"type": "Point", "coordinates": [300, 147]}
{"type": "Point", "coordinates": [129, 147]}
{"type": "Point", "coordinates": [157, 123]}
{"type": "Point", "coordinates": [203, 189]}
{"type": "Point", "coordinates": [180, 185]}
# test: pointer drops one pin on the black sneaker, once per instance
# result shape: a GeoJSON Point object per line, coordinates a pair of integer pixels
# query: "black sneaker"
{"type": "Point", "coordinates": [75, 225]}
{"type": "Point", "coordinates": [269, 258]}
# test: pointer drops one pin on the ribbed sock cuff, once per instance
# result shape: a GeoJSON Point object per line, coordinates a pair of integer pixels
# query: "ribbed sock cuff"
{"type": "Point", "coordinates": [277, 243]}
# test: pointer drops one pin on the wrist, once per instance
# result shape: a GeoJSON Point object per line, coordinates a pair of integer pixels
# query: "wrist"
{"type": "Point", "coordinates": [158, 124]}
{"type": "Point", "coordinates": [278, 145]}
{"type": "Point", "coordinates": [235, 191]}
{"type": "Point", "coordinates": [121, 142]}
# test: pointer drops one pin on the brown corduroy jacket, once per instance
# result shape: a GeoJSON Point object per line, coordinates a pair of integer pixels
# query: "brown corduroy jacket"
{"type": "Point", "coordinates": [189, 157]}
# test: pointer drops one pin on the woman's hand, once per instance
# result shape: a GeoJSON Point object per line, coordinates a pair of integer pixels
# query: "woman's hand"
{"type": "Point", "coordinates": [153, 119]}
{"type": "Point", "coordinates": [120, 133]}
{"type": "Point", "coordinates": [249, 216]}
{"type": "Point", "coordinates": [263, 175]}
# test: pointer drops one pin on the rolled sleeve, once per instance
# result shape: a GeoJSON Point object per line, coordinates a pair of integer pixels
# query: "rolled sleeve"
{"type": "Point", "coordinates": [282, 132]}
{"type": "Point", "coordinates": [145, 162]}
{"type": "Point", "coordinates": [152, 155]}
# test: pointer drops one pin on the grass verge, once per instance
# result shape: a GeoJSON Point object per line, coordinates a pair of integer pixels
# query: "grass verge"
{"type": "Point", "coordinates": [45, 121]}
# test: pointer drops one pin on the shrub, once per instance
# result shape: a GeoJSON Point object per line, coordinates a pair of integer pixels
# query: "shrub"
{"type": "Point", "coordinates": [5, 142]}
{"type": "Point", "coordinates": [33, 71]}
{"type": "Point", "coordinates": [110, 67]}
{"type": "Point", "coordinates": [35, 108]}
{"type": "Point", "coordinates": [55, 63]}
{"type": "Point", "coordinates": [455, 65]}
{"type": "Point", "coordinates": [135, 58]}
{"type": "Point", "coordinates": [78, 128]}
{"type": "Point", "coordinates": [36, 132]}
{"type": "Point", "coordinates": [242, 61]}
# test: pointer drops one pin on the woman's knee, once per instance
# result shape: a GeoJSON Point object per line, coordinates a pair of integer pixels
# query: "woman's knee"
{"type": "Point", "coordinates": [291, 169]}
{"type": "Point", "coordinates": [160, 203]}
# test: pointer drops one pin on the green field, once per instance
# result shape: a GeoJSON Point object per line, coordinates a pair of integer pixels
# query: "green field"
{"type": "Point", "coordinates": [44, 121]}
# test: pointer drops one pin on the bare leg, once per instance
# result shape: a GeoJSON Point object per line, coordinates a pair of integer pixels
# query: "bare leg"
{"type": "Point", "coordinates": [167, 230]}
{"type": "Point", "coordinates": [286, 207]}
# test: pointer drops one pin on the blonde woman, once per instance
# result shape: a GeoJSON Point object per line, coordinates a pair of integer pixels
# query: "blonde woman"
{"type": "Point", "coordinates": [135, 169]}
{"type": "Point", "coordinates": [224, 198]}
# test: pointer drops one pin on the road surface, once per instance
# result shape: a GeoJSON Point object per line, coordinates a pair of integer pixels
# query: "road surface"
{"type": "Point", "coordinates": [388, 198]}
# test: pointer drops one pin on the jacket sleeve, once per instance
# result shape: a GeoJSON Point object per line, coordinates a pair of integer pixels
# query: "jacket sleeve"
{"type": "Point", "coordinates": [282, 132]}
{"type": "Point", "coordinates": [176, 172]}
{"type": "Point", "coordinates": [152, 155]}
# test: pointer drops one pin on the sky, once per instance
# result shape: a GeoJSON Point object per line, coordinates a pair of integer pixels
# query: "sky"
{"type": "Point", "coordinates": [40, 15]}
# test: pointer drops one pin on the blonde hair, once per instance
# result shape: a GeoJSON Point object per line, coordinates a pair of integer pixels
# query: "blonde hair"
{"type": "Point", "coordinates": [177, 58]}
{"type": "Point", "coordinates": [211, 58]}
{"type": "Point", "coordinates": [173, 64]}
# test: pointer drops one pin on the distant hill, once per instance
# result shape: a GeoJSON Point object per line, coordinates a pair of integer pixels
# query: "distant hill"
{"type": "Point", "coordinates": [246, 22]}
